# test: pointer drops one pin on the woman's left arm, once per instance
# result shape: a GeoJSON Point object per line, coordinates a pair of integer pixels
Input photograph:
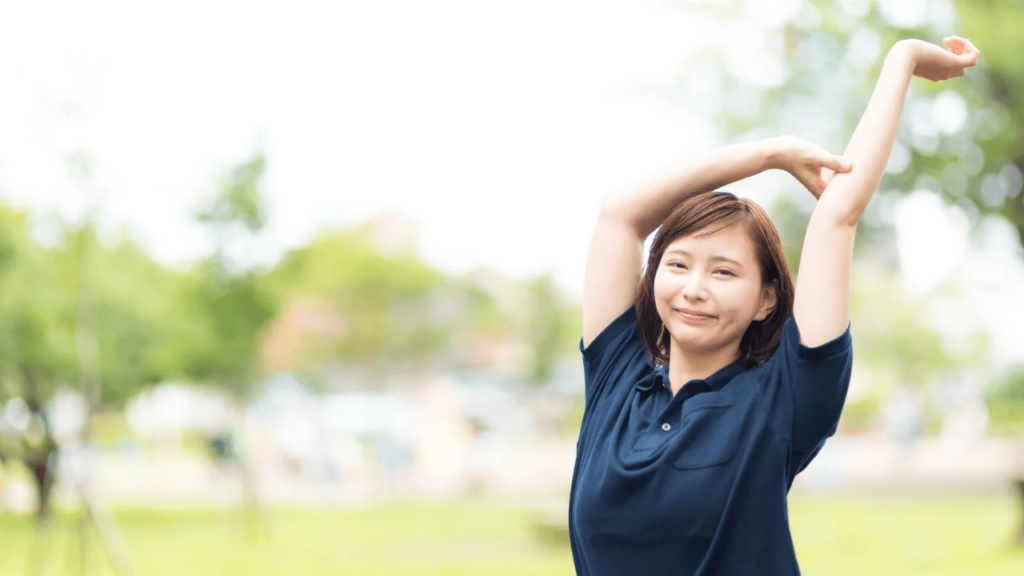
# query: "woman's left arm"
{"type": "Point", "coordinates": [822, 303]}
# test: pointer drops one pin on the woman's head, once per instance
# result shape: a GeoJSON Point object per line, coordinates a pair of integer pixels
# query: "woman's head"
{"type": "Point", "coordinates": [716, 275]}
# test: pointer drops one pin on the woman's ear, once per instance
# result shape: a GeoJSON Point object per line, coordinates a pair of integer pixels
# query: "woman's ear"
{"type": "Point", "coordinates": [769, 298]}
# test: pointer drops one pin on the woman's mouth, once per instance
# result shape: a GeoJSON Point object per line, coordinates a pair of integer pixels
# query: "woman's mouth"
{"type": "Point", "coordinates": [694, 316]}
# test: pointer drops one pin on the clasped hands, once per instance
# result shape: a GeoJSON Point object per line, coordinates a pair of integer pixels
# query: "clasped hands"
{"type": "Point", "coordinates": [809, 163]}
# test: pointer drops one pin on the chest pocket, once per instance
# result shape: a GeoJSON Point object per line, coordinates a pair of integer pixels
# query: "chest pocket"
{"type": "Point", "coordinates": [709, 436]}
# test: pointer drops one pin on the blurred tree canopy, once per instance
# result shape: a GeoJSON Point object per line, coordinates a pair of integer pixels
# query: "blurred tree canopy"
{"type": "Point", "coordinates": [134, 309]}
{"type": "Point", "coordinates": [1006, 403]}
{"type": "Point", "coordinates": [808, 67]}
{"type": "Point", "coordinates": [149, 321]}
{"type": "Point", "coordinates": [390, 305]}
{"type": "Point", "coordinates": [379, 308]}
{"type": "Point", "coordinates": [230, 308]}
{"type": "Point", "coordinates": [387, 312]}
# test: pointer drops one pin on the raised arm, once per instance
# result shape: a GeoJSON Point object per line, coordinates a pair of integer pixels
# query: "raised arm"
{"type": "Point", "coordinates": [822, 306]}
{"type": "Point", "coordinates": [646, 205]}
{"type": "Point", "coordinates": [627, 217]}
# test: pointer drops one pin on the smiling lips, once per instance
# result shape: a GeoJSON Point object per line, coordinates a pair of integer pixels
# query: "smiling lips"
{"type": "Point", "coordinates": [693, 315]}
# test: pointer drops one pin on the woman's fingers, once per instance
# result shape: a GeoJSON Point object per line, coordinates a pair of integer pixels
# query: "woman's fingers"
{"type": "Point", "coordinates": [813, 166]}
{"type": "Point", "coordinates": [812, 181]}
{"type": "Point", "coordinates": [805, 179]}
{"type": "Point", "coordinates": [960, 45]}
{"type": "Point", "coordinates": [835, 163]}
{"type": "Point", "coordinates": [971, 53]}
{"type": "Point", "coordinates": [964, 48]}
{"type": "Point", "coordinates": [936, 64]}
{"type": "Point", "coordinates": [826, 176]}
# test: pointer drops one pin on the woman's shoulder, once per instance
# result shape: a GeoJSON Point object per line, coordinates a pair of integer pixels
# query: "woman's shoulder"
{"type": "Point", "coordinates": [618, 331]}
{"type": "Point", "coordinates": [614, 360]}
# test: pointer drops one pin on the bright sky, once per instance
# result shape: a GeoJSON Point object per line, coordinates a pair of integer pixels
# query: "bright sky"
{"type": "Point", "coordinates": [495, 127]}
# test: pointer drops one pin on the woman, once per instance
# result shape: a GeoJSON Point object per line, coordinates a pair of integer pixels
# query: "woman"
{"type": "Point", "coordinates": [684, 468]}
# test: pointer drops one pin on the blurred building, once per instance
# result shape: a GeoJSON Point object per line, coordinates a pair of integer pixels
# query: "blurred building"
{"type": "Point", "coordinates": [296, 332]}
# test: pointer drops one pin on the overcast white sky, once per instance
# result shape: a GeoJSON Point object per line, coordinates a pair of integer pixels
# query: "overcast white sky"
{"type": "Point", "coordinates": [495, 127]}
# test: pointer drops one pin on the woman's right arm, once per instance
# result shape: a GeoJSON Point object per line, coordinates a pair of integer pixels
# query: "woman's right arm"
{"type": "Point", "coordinates": [616, 255]}
{"type": "Point", "coordinates": [821, 306]}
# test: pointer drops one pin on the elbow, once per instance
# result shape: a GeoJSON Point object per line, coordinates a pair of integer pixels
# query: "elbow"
{"type": "Point", "coordinates": [612, 206]}
{"type": "Point", "coordinates": [617, 204]}
{"type": "Point", "coordinates": [848, 218]}
{"type": "Point", "coordinates": [609, 204]}
{"type": "Point", "coordinates": [843, 205]}
{"type": "Point", "coordinates": [838, 216]}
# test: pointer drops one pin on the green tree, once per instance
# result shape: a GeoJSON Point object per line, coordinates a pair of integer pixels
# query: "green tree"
{"type": "Point", "coordinates": [230, 308]}
{"type": "Point", "coordinates": [552, 327]}
{"type": "Point", "coordinates": [999, 112]}
{"type": "Point", "coordinates": [811, 73]}
{"type": "Point", "coordinates": [402, 316]}
{"type": "Point", "coordinates": [399, 314]}
{"type": "Point", "coordinates": [37, 348]}
{"type": "Point", "coordinates": [133, 309]}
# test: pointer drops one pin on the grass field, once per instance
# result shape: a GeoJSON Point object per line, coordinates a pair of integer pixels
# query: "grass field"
{"type": "Point", "coordinates": [834, 536]}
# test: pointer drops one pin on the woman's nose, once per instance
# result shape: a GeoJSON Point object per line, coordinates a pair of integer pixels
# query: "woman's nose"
{"type": "Point", "coordinates": [695, 287]}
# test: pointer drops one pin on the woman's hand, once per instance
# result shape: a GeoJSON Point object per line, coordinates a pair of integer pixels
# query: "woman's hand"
{"type": "Point", "coordinates": [808, 163]}
{"type": "Point", "coordinates": [935, 64]}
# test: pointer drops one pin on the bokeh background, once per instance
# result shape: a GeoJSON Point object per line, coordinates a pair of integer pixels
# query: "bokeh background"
{"type": "Point", "coordinates": [295, 287]}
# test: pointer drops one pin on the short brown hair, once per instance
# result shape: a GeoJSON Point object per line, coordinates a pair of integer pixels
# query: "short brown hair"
{"type": "Point", "coordinates": [706, 213]}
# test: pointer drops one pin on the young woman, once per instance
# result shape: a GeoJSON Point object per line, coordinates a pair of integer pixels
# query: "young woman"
{"type": "Point", "coordinates": [710, 380]}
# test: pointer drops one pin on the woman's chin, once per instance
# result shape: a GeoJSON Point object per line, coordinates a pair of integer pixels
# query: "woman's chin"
{"type": "Point", "coordinates": [696, 340]}
{"type": "Point", "coordinates": [692, 339]}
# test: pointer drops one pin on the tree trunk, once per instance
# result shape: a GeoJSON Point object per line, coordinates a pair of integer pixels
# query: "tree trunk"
{"type": "Point", "coordinates": [39, 466]}
{"type": "Point", "coordinates": [37, 457]}
{"type": "Point", "coordinates": [1019, 538]}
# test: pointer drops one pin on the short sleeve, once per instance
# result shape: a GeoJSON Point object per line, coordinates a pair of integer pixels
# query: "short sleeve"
{"type": "Point", "coordinates": [803, 389]}
{"type": "Point", "coordinates": [615, 349]}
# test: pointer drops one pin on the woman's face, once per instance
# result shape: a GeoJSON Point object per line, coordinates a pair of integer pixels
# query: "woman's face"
{"type": "Point", "coordinates": [708, 290]}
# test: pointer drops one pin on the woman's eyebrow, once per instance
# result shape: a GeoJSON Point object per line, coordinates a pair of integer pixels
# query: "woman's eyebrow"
{"type": "Point", "coordinates": [713, 258]}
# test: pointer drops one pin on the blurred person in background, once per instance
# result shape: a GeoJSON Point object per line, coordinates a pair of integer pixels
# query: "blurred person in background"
{"type": "Point", "coordinates": [710, 379]}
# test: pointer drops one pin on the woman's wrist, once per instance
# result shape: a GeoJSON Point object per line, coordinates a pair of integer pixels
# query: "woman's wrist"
{"type": "Point", "coordinates": [778, 151]}
{"type": "Point", "coordinates": [904, 53]}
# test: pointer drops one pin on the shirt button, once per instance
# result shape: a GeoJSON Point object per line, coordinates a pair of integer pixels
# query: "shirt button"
{"type": "Point", "coordinates": [666, 426]}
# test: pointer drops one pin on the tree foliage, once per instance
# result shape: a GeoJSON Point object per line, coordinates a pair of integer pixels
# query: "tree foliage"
{"type": "Point", "coordinates": [395, 314]}
{"type": "Point", "coordinates": [812, 71]}
{"type": "Point", "coordinates": [134, 310]}
{"type": "Point", "coordinates": [229, 306]}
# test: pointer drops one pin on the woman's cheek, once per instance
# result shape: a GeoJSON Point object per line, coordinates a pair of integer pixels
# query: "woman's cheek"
{"type": "Point", "coordinates": [734, 299]}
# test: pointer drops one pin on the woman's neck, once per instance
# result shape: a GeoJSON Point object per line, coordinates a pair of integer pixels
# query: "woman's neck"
{"type": "Point", "coordinates": [694, 365]}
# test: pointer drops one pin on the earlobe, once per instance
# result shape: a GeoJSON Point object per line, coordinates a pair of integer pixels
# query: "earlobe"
{"type": "Point", "coordinates": [769, 298]}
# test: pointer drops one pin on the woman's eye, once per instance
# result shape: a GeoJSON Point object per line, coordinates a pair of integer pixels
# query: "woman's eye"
{"type": "Point", "coordinates": [726, 272]}
{"type": "Point", "coordinates": [677, 264]}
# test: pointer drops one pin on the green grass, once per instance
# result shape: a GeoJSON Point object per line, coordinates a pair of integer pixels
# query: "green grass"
{"type": "Point", "coordinates": [907, 535]}
{"type": "Point", "coordinates": [834, 536]}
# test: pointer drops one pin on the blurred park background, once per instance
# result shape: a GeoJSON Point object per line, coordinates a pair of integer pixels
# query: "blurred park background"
{"type": "Point", "coordinates": [296, 287]}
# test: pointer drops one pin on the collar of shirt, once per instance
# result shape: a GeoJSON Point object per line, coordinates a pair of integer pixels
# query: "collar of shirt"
{"type": "Point", "coordinates": [715, 382]}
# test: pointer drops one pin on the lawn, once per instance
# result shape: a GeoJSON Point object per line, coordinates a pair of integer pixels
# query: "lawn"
{"type": "Point", "coordinates": [834, 535]}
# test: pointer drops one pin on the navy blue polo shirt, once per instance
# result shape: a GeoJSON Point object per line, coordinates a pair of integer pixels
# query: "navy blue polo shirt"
{"type": "Point", "coordinates": [696, 483]}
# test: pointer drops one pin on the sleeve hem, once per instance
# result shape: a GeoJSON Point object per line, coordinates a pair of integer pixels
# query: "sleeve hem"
{"type": "Point", "coordinates": [608, 335]}
{"type": "Point", "coordinates": [834, 347]}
